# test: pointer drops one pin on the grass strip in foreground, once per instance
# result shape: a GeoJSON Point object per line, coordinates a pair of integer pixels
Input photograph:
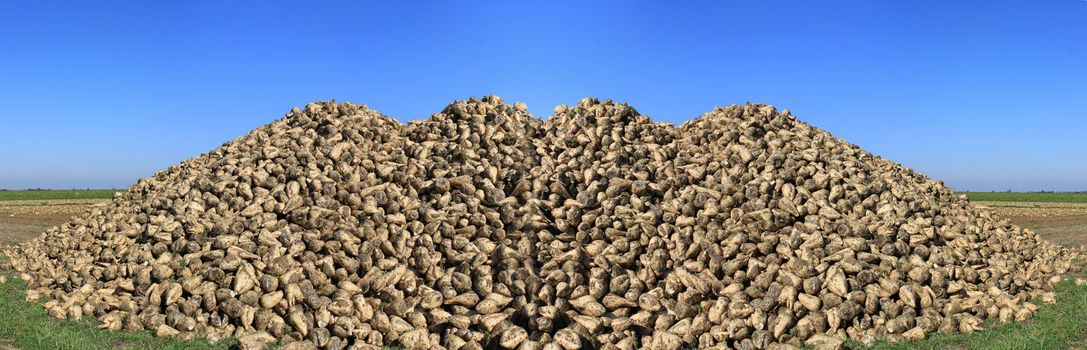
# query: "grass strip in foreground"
{"type": "Point", "coordinates": [1058, 326]}
{"type": "Point", "coordinates": [26, 326]}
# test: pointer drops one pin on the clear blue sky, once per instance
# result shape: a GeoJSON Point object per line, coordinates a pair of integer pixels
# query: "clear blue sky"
{"type": "Point", "coordinates": [986, 95]}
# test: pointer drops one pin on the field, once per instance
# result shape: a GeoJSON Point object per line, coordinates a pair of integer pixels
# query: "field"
{"type": "Point", "coordinates": [23, 219]}
{"type": "Point", "coordinates": [1060, 217]}
{"type": "Point", "coordinates": [56, 194]}
{"type": "Point", "coordinates": [1051, 197]}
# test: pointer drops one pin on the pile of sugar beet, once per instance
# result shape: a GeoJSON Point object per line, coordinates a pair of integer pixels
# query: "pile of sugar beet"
{"type": "Point", "coordinates": [483, 227]}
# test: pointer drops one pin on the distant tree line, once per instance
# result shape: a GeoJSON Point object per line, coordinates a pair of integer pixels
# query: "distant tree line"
{"type": "Point", "coordinates": [1040, 191]}
{"type": "Point", "coordinates": [46, 189]}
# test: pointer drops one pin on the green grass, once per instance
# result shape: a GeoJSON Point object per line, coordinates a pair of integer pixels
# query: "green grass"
{"type": "Point", "coordinates": [56, 194]}
{"type": "Point", "coordinates": [26, 326]}
{"type": "Point", "coordinates": [1057, 326]}
{"type": "Point", "coordinates": [1056, 197]}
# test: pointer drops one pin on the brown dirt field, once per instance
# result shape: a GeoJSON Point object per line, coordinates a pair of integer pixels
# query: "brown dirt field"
{"type": "Point", "coordinates": [1062, 223]}
{"type": "Point", "coordinates": [1035, 209]}
{"type": "Point", "coordinates": [12, 233]}
{"type": "Point", "coordinates": [55, 208]}
{"type": "Point", "coordinates": [21, 221]}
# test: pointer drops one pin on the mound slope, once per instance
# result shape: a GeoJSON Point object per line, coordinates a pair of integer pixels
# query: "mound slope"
{"type": "Point", "coordinates": [484, 227]}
